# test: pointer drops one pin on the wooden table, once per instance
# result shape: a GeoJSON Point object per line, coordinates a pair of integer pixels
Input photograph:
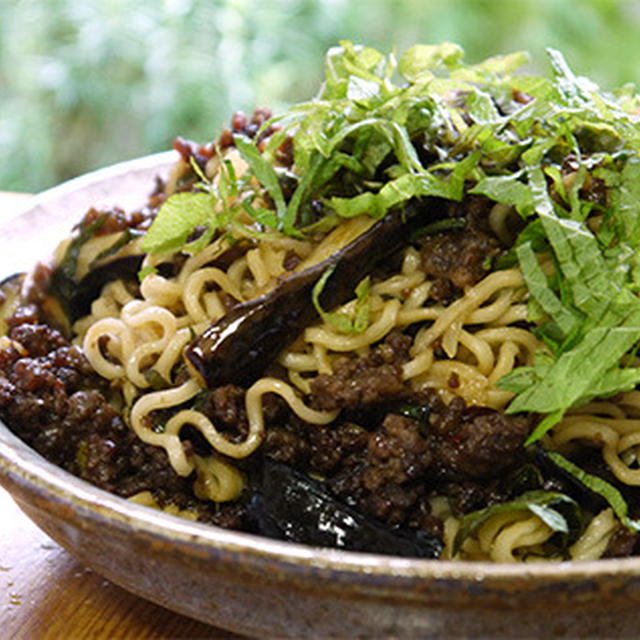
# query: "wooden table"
{"type": "Point", "coordinates": [46, 593]}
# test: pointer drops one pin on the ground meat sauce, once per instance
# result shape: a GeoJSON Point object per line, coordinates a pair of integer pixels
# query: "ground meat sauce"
{"type": "Point", "coordinates": [364, 381]}
{"type": "Point", "coordinates": [453, 272]}
{"type": "Point", "coordinates": [390, 469]}
{"type": "Point", "coordinates": [476, 442]}
{"type": "Point", "coordinates": [54, 402]}
{"type": "Point", "coordinates": [459, 258]}
{"type": "Point", "coordinates": [390, 451]}
{"type": "Point", "coordinates": [364, 458]}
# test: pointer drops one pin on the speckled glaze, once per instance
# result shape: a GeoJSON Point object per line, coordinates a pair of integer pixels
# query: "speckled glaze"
{"type": "Point", "coordinates": [262, 587]}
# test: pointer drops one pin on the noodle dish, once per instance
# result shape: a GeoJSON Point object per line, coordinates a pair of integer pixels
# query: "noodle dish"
{"type": "Point", "coordinates": [399, 318]}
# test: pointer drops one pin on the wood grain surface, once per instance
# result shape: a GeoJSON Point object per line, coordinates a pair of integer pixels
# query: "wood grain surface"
{"type": "Point", "coordinates": [47, 594]}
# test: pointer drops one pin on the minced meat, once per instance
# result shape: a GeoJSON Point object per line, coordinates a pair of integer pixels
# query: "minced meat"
{"type": "Point", "coordinates": [459, 258]}
{"type": "Point", "coordinates": [364, 381]}
{"type": "Point", "coordinates": [477, 442]}
{"type": "Point", "coordinates": [51, 397]}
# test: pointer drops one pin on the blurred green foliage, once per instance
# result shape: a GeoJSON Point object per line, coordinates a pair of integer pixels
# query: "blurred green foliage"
{"type": "Point", "coordinates": [85, 83]}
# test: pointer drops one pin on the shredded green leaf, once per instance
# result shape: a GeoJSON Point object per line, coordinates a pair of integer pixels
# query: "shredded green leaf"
{"type": "Point", "coordinates": [339, 320]}
{"type": "Point", "coordinates": [594, 318]}
{"type": "Point", "coordinates": [358, 145]}
{"type": "Point", "coordinates": [596, 484]}
{"type": "Point", "coordinates": [177, 219]}
{"type": "Point", "coordinates": [146, 271]}
{"type": "Point", "coordinates": [547, 505]}
{"type": "Point", "coordinates": [263, 171]}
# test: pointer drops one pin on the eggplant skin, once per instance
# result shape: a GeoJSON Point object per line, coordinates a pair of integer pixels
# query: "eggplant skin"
{"type": "Point", "coordinates": [10, 289]}
{"type": "Point", "coordinates": [238, 347]}
{"type": "Point", "coordinates": [289, 505]}
{"type": "Point", "coordinates": [82, 294]}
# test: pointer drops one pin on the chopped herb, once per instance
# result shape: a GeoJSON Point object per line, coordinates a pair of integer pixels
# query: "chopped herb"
{"type": "Point", "coordinates": [143, 273]}
{"type": "Point", "coordinates": [339, 320]}
{"type": "Point", "coordinates": [594, 319]}
{"type": "Point", "coordinates": [549, 506]}
{"type": "Point", "coordinates": [176, 220]}
{"type": "Point", "coordinates": [364, 129]}
{"type": "Point", "coordinates": [263, 171]}
{"type": "Point", "coordinates": [599, 486]}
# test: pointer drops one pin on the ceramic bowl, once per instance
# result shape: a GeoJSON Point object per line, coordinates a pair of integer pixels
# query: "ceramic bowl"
{"type": "Point", "coordinates": [262, 587]}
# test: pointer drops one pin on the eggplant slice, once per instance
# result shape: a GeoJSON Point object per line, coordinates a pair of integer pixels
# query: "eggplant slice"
{"type": "Point", "coordinates": [239, 346]}
{"type": "Point", "coordinates": [10, 289]}
{"type": "Point", "coordinates": [289, 505]}
{"type": "Point", "coordinates": [76, 282]}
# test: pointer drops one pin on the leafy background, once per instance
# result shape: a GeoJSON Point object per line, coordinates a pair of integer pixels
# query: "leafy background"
{"type": "Point", "coordinates": [87, 83]}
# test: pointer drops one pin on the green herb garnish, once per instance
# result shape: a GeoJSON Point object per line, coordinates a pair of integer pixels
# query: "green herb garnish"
{"type": "Point", "coordinates": [559, 512]}
{"type": "Point", "coordinates": [339, 320]}
{"type": "Point", "coordinates": [177, 219]}
{"type": "Point", "coordinates": [599, 486]}
{"type": "Point", "coordinates": [356, 145]}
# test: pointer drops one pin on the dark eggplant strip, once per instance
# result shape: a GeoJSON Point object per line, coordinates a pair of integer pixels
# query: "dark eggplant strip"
{"type": "Point", "coordinates": [76, 296]}
{"type": "Point", "coordinates": [239, 346]}
{"type": "Point", "coordinates": [89, 287]}
{"type": "Point", "coordinates": [10, 289]}
{"type": "Point", "coordinates": [289, 505]}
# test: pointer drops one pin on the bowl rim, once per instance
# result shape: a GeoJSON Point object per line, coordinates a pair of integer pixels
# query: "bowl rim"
{"type": "Point", "coordinates": [25, 472]}
{"type": "Point", "coordinates": [151, 161]}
